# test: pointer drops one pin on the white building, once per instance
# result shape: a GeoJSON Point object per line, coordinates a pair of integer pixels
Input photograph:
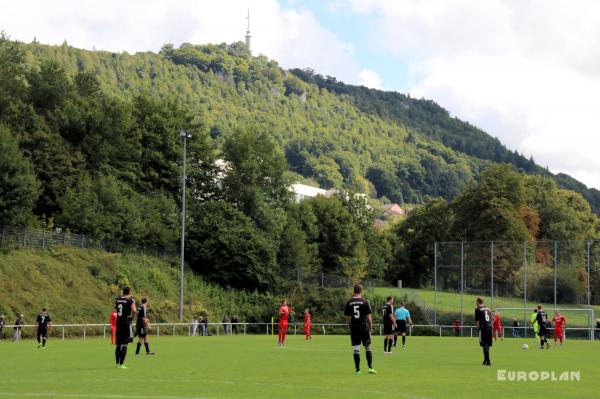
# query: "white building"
{"type": "Point", "coordinates": [302, 191]}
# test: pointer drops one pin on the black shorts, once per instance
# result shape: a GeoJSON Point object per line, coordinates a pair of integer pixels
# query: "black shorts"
{"type": "Point", "coordinates": [486, 337]}
{"type": "Point", "coordinates": [388, 328]}
{"type": "Point", "coordinates": [141, 331]}
{"type": "Point", "coordinates": [401, 327]}
{"type": "Point", "coordinates": [124, 334]}
{"type": "Point", "coordinates": [42, 332]}
{"type": "Point", "coordinates": [358, 337]}
{"type": "Point", "coordinates": [542, 332]}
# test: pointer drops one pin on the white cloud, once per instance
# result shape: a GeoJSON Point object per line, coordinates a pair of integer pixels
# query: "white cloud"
{"type": "Point", "coordinates": [526, 72]}
{"type": "Point", "coordinates": [291, 36]}
{"type": "Point", "coordinates": [369, 78]}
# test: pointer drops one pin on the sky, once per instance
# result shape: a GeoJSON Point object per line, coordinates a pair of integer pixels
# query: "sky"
{"type": "Point", "coordinates": [525, 71]}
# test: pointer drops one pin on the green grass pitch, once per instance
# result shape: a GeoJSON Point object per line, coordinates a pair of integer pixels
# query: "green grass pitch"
{"type": "Point", "coordinates": [254, 367]}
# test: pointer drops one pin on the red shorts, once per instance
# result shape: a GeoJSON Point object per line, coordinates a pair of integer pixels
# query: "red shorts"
{"type": "Point", "coordinates": [283, 326]}
{"type": "Point", "coordinates": [307, 329]}
{"type": "Point", "coordinates": [558, 332]}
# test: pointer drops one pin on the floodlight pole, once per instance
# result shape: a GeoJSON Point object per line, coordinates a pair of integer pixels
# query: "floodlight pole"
{"type": "Point", "coordinates": [185, 135]}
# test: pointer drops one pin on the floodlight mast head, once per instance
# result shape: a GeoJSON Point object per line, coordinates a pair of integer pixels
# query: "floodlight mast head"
{"type": "Point", "coordinates": [185, 133]}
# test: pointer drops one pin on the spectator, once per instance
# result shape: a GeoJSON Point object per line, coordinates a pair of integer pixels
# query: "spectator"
{"type": "Point", "coordinates": [226, 324]}
{"type": "Point", "coordinates": [234, 323]}
{"type": "Point", "coordinates": [516, 329]}
{"type": "Point", "coordinates": [1, 324]}
{"type": "Point", "coordinates": [204, 325]}
{"type": "Point", "coordinates": [18, 326]}
{"type": "Point", "coordinates": [194, 326]}
{"type": "Point", "coordinates": [598, 329]}
{"type": "Point", "coordinates": [456, 325]}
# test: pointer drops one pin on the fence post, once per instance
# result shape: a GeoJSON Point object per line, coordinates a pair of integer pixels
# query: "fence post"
{"type": "Point", "coordinates": [322, 280]}
{"type": "Point", "coordinates": [84, 331]}
{"type": "Point", "coordinates": [435, 283]}
{"type": "Point", "coordinates": [44, 239]}
{"type": "Point", "coordinates": [173, 329]}
{"type": "Point", "coordinates": [24, 237]}
{"type": "Point", "coordinates": [525, 287]}
{"type": "Point", "coordinates": [324, 332]}
{"type": "Point", "coordinates": [157, 331]}
{"type": "Point", "coordinates": [63, 333]}
{"type": "Point", "coordinates": [492, 275]}
{"type": "Point", "coordinates": [555, 266]}
{"type": "Point", "coordinates": [104, 332]}
{"type": "Point", "coordinates": [245, 325]}
{"type": "Point", "coordinates": [462, 284]}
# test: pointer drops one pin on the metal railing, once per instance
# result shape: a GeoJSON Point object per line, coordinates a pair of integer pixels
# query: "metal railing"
{"type": "Point", "coordinates": [64, 331]}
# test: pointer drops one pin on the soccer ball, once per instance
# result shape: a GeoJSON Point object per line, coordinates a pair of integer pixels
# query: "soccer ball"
{"type": "Point", "coordinates": [525, 346]}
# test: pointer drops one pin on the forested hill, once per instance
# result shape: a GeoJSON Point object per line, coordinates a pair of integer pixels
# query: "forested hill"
{"type": "Point", "coordinates": [337, 135]}
{"type": "Point", "coordinates": [435, 122]}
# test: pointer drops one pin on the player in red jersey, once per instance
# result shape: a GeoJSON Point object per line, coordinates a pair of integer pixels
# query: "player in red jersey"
{"type": "Point", "coordinates": [559, 322]}
{"type": "Point", "coordinates": [497, 332]}
{"type": "Point", "coordinates": [307, 324]}
{"type": "Point", "coordinates": [284, 315]}
{"type": "Point", "coordinates": [113, 326]}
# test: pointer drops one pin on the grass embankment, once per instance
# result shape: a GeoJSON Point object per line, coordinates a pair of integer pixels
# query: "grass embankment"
{"type": "Point", "coordinates": [80, 285]}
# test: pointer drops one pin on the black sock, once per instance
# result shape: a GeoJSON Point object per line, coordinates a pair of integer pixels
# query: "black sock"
{"type": "Point", "coordinates": [389, 349]}
{"type": "Point", "coordinates": [486, 355]}
{"type": "Point", "coordinates": [117, 353]}
{"type": "Point", "coordinates": [357, 361]}
{"type": "Point", "coordinates": [147, 346]}
{"type": "Point", "coordinates": [541, 341]}
{"type": "Point", "coordinates": [44, 342]}
{"type": "Point", "coordinates": [385, 344]}
{"type": "Point", "coordinates": [403, 339]}
{"type": "Point", "coordinates": [370, 359]}
{"type": "Point", "coordinates": [395, 339]}
{"type": "Point", "coordinates": [38, 338]}
{"type": "Point", "coordinates": [123, 354]}
{"type": "Point", "coordinates": [137, 348]}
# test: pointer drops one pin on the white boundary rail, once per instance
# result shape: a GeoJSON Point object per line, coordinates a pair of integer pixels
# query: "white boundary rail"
{"type": "Point", "coordinates": [186, 329]}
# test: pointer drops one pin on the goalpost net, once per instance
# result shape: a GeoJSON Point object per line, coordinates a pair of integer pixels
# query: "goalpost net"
{"type": "Point", "coordinates": [580, 321]}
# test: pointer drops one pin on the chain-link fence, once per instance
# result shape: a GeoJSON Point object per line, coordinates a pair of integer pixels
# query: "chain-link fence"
{"type": "Point", "coordinates": [557, 274]}
{"type": "Point", "coordinates": [11, 237]}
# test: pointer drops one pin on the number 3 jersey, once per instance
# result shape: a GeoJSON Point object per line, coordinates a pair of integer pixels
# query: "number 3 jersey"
{"type": "Point", "coordinates": [358, 309]}
{"type": "Point", "coordinates": [123, 308]}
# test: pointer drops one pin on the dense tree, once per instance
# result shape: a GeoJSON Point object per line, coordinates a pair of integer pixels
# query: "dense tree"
{"type": "Point", "coordinates": [18, 185]}
{"type": "Point", "coordinates": [417, 234]}
{"type": "Point", "coordinates": [492, 209]}
{"type": "Point", "coordinates": [224, 245]}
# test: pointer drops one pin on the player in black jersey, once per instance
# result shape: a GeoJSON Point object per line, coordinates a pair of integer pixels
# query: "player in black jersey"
{"type": "Point", "coordinates": [125, 307]}
{"type": "Point", "coordinates": [389, 325]}
{"type": "Point", "coordinates": [142, 327]}
{"type": "Point", "coordinates": [360, 322]}
{"type": "Point", "coordinates": [44, 323]}
{"type": "Point", "coordinates": [542, 320]}
{"type": "Point", "coordinates": [483, 319]}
